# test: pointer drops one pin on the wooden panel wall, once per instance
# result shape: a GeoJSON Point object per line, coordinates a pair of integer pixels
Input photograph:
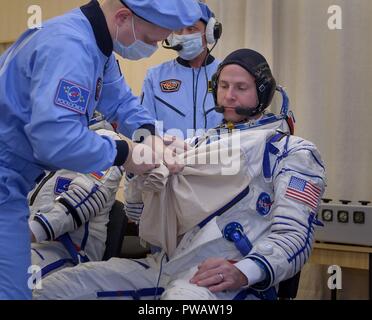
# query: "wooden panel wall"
{"type": "Point", "coordinates": [14, 16]}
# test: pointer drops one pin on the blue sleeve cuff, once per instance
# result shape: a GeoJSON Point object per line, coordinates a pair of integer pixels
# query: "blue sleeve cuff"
{"type": "Point", "coordinates": [122, 152]}
{"type": "Point", "coordinates": [143, 132]}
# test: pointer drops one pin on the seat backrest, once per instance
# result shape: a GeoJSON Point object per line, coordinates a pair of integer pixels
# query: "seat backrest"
{"type": "Point", "coordinates": [115, 230]}
{"type": "Point", "coordinates": [288, 288]}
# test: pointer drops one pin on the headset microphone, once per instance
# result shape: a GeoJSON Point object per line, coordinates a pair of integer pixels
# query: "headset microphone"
{"type": "Point", "coordinates": [219, 109]}
{"type": "Point", "coordinates": [166, 45]}
{"type": "Point", "coordinates": [248, 112]}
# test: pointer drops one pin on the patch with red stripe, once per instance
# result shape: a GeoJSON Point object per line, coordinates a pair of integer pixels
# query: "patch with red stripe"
{"type": "Point", "coordinates": [303, 191]}
{"type": "Point", "coordinates": [99, 175]}
{"type": "Point", "coordinates": [171, 85]}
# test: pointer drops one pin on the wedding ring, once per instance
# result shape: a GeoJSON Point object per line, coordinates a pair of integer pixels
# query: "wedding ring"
{"type": "Point", "coordinates": [221, 276]}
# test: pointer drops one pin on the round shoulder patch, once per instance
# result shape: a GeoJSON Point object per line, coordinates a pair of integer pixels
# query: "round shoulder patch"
{"type": "Point", "coordinates": [264, 204]}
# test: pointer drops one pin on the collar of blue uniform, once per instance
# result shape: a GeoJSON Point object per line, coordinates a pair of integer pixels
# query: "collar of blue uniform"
{"type": "Point", "coordinates": [186, 63]}
{"type": "Point", "coordinates": [97, 20]}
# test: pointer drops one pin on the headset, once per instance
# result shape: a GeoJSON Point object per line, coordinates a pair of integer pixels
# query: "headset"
{"type": "Point", "coordinates": [270, 118]}
{"type": "Point", "coordinates": [213, 31]}
{"type": "Point", "coordinates": [285, 114]}
{"type": "Point", "coordinates": [265, 84]}
{"type": "Point", "coordinates": [166, 45]}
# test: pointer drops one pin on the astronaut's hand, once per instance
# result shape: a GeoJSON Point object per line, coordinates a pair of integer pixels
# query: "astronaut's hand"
{"type": "Point", "coordinates": [218, 274]}
{"type": "Point", "coordinates": [141, 159]}
{"type": "Point", "coordinates": [83, 199]}
{"type": "Point", "coordinates": [133, 211]}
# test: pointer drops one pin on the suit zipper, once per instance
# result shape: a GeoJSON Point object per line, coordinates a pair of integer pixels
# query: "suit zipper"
{"type": "Point", "coordinates": [41, 184]}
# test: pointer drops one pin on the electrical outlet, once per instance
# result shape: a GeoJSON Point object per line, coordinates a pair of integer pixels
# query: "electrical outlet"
{"type": "Point", "coordinates": [343, 216]}
{"type": "Point", "coordinates": [327, 215]}
{"type": "Point", "coordinates": [359, 217]}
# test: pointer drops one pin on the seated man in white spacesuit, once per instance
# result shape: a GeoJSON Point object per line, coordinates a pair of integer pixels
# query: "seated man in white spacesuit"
{"type": "Point", "coordinates": [70, 212]}
{"type": "Point", "coordinates": [243, 249]}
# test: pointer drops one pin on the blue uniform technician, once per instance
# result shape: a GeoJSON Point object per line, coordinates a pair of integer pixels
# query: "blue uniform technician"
{"type": "Point", "coordinates": [51, 81]}
{"type": "Point", "coordinates": [178, 92]}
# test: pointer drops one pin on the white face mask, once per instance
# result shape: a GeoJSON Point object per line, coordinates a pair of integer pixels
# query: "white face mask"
{"type": "Point", "coordinates": [192, 45]}
{"type": "Point", "coordinates": [137, 50]}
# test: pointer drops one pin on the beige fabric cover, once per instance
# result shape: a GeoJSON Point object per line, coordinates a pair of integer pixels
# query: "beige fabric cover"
{"type": "Point", "coordinates": [175, 204]}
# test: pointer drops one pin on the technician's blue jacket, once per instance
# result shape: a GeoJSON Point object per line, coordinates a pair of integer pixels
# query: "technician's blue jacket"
{"type": "Point", "coordinates": [181, 96]}
{"type": "Point", "coordinates": [51, 81]}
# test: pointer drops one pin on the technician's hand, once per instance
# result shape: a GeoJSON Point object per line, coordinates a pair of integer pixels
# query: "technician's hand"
{"type": "Point", "coordinates": [141, 159]}
{"type": "Point", "coordinates": [169, 154]}
{"type": "Point", "coordinates": [173, 162]}
{"type": "Point", "coordinates": [218, 274]}
{"type": "Point", "coordinates": [179, 145]}
{"type": "Point", "coordinates": [174, 153]}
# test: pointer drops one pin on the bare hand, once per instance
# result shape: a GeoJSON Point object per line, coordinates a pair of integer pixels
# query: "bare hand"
{"type": "Point", "coordinates": [178, 144]}
{"type": "Point", "coordinates": [218, 274]}
{"type": "Point", "coordinates": [173, 162]}
{"type": "Point", "coordinates": [141, 159]}
{"type": "Point", "coordinates": [169, 148]}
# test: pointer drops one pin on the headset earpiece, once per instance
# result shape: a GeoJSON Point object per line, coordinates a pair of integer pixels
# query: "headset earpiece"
{"type": "Point", "coordinates": [217, 30]}
{"type": "Point", "coordinates": [265, 83]}
{"type": "Point", "coordinates": [214, 84]}
{"type": "Point", "coordinates": [213, 31]}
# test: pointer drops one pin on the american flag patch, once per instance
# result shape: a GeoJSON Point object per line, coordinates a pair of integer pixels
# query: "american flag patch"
{"type": "Point", "coordinates": [303, 191]}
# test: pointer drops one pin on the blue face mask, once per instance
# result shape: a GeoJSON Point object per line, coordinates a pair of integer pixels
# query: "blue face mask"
{"type": "Point", "coordinates": [137, 50]}
{"type": "Point", "coordinates": [192, 45]}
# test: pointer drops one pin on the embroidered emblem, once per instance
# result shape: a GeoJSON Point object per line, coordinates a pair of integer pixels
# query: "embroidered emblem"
{"type": "Point", "coordinates": [210, 87]}
{"type": "Point", "coordinates": [263, 204]}
{"type": "Point", "coordinates": [72, 96]}
{"type": "Point", "coordinates": [99, 175]}
{"type": "Point", "coordinates": [61, 185]}
{"type": "Point", "coordinates": [303, 191]}
{"type": "Point", "coordinates": [171, 85]}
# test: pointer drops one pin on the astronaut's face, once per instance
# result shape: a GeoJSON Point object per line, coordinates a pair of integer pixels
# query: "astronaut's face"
{"type": "Point", "coordinates": [236, 88]}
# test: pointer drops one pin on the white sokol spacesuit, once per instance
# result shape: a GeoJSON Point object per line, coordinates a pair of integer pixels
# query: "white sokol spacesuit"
{"type": "Point", "coordinates": [69, 215]}
{"type": "Point", "coordinates": [270, 224]}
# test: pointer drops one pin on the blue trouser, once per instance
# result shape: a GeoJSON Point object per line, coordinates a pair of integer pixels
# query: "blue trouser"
{"type": "Point", "coordinates": [15, 244]}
